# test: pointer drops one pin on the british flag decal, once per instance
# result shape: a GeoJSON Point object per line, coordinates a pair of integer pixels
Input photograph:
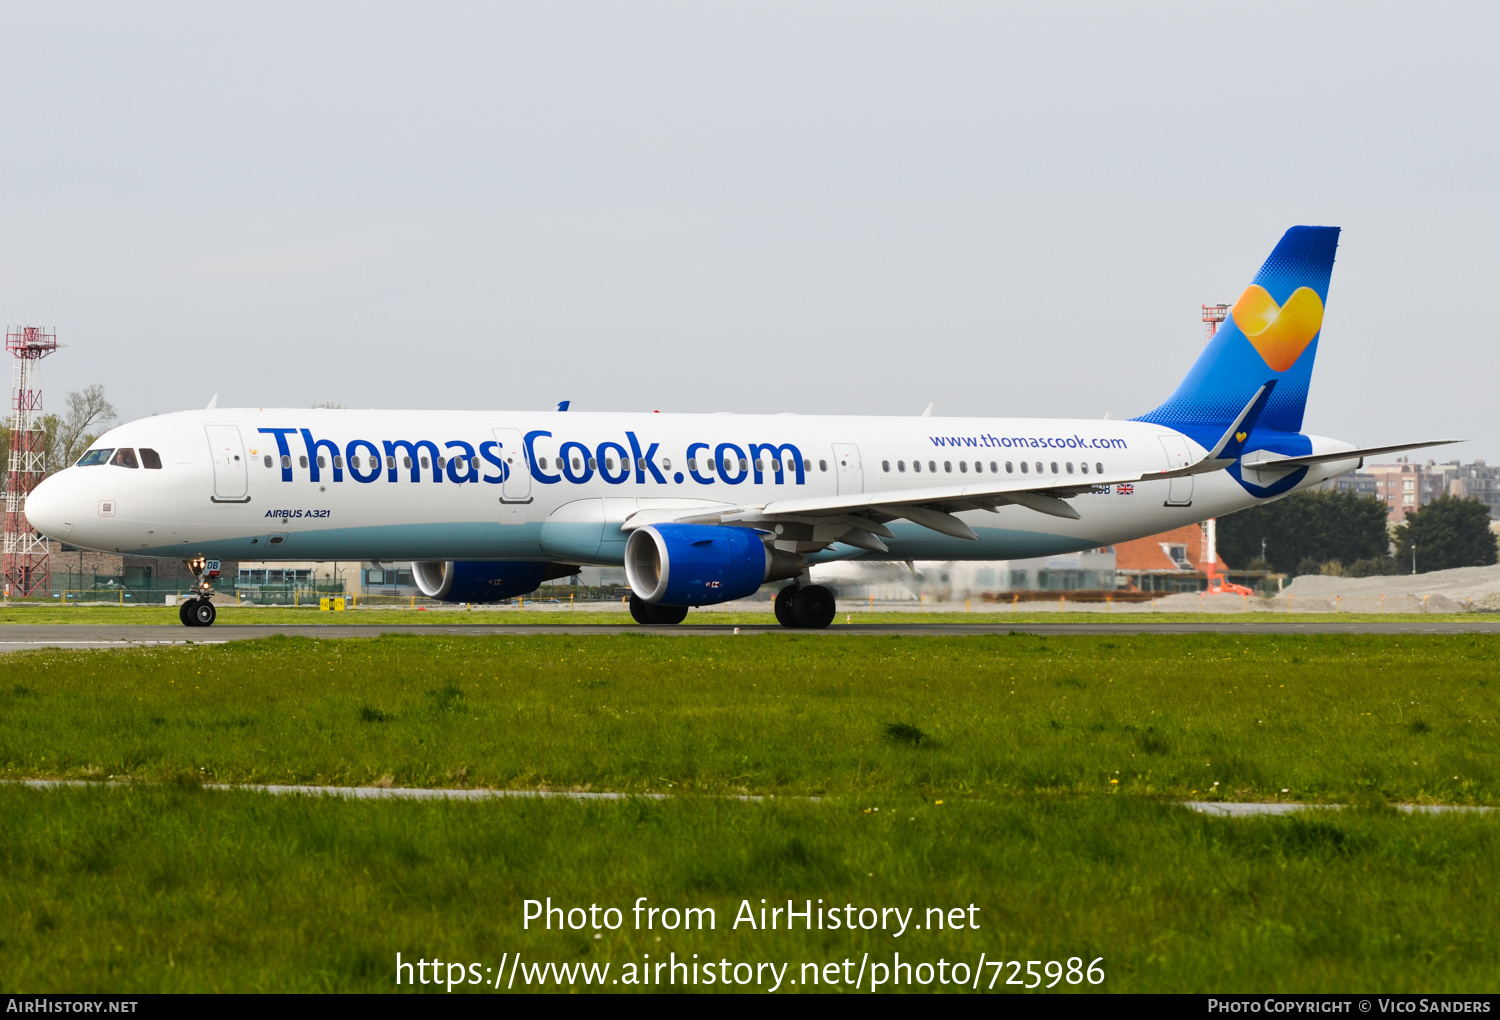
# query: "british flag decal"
{"type": "Point", "coordinates": [1125, 490]}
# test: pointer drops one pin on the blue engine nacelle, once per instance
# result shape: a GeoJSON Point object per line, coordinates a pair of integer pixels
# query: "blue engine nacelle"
{"type": "Point", "coordinates": [465, 581]}
{"type": "Point", "coordinates": [701, 564]}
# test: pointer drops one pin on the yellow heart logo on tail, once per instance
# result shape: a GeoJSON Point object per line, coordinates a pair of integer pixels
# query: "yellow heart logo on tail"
{"type": "Point", "coordinates": [1280, 333]}
{"type": "Point", "coordinates": [1240, 436]}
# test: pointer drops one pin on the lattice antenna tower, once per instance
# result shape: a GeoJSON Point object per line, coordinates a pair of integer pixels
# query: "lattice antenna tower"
{"type": "Point", "coordinates": [24, 564]}
{"type": "Point", "coordinates": [1212, 316]}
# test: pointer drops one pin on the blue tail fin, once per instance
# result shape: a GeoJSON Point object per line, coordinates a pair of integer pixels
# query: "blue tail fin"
{"type": "Point", "coordinates": [1271, 334]}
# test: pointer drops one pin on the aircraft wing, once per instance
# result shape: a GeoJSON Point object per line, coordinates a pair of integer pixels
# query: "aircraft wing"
{"type": "Point", "coordinates": [860, 518]}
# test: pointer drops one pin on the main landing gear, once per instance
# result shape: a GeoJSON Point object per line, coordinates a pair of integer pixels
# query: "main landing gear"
{"type": "Point", "coordinates": [199, 611]}
{"type": "Point", "coordinates": [646, 613]}
{"type": "Point", "coordinates": [809, 606]}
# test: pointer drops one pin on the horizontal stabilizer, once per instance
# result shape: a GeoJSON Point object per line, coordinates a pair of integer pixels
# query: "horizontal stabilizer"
{"type": "Point", "coordinates": [1273, 462]}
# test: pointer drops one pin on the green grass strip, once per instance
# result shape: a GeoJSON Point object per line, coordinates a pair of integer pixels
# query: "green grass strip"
{"type": "Point", "coordinates": [1333, 718]}
{"type": "Point", "coordinates": [163, 890]}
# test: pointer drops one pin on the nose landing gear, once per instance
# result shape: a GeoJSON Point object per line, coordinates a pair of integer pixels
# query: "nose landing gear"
{"type": "Point", "coordinates": [199, 611]}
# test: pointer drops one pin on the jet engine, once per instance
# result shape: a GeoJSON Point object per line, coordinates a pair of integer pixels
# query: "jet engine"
{"type": "Point", "coordinates": [702, 564]}
{"type": "Point", "coordinates": [468, 581]}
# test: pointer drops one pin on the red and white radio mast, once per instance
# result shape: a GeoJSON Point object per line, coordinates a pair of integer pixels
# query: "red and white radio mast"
{"type": "Point", "coordinates": [24, 567]}
{"type": "Point", "coordinates": [1212, 316]}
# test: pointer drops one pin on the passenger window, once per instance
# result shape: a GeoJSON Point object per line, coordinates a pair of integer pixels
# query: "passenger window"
{"type": "Point", "coordinates": [125, 457]}
{"type": "Point", "coordinates": [95, 457]}
{"type": "Point", "coordinates": [1010, 470]}
{"type": "Point", "coordinates": [390, 461]}
{"type": "Point", "coordinates": [1084, 467]}
{"type": "Point", "coordinates": [979, 467]}
{"type": "Point", "coordinates": [593, 464]}
{"type": "Point", "coordinates": [1099, 468]}
{"type": "Point", "coordinates": [302, 461]}
{"type": "Point", "coordinates": [948, 466]}
{"type": "Point", "coordinates": [424, 461]}
{"type": "Point", "coordinates": [901, 466]}
{"type": "Point", "coordinates": [963, 466]}
{"type": "Point", "coordinates": [666, 464]}
{"type": "Point", "coordinates": [268, 460]}
{"type": "Point", "coordinates": [150, 459]}
{"type": "Point", "coordinates": [406, 462]}
{"type": "Point", "coordinates": [1024, 467]}
{"type": "Point", "coordinates": [1038, 467]}
{"type": "Point", "coordinates": [822, 465]}
{"type": "Point", "coordinates": [577, 464]}
{"type": "Point", "coordinates": [807, 464]}
{"type": "Point", "coordinates": [744, 466]}
{"type": "Point", "coordinates": [1069, 466]}
{"type": "Point", "coordinates": [286, 460]}
{"type": "Point", "coordinates": [322, 461]}
{"type": "Point", "coordinates": [692, 463]}
{"type": "Point", "coordinates": [609, 463]}
{"type": "Point", "coordinates": [932, 466]}
{"type": "Point", "coordinates": [338, 463]}
{"type": "Point", "coordinates": [885, 466]}
{"type": "Point", "coordinates": [1054, 467]}
{"type": "Point", "coordinates": [916, 466]}
{"type": "Point", "coordinates": [994, 469]}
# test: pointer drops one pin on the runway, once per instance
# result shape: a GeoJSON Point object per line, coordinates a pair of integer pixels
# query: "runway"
{"type": "Point", "coordinates": [23, 637]}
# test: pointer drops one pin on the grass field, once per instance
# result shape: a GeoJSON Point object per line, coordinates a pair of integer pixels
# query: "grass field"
{"type": "Point", "coordinates": [1402, 718]}
{"type": "Point", "coordinates": [1029, 776]}
{"type": "Point", "coordinates": [450, 616]}
{"type": "Point", "coordinates": [181, 890]}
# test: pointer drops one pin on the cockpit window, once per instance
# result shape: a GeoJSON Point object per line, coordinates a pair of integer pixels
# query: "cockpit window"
{"type": "Point", "coordinates": [125, 457]}
{"type": "Point", "coordinates": [95, 457]}
{"type": "Point", "coordinates": [150, 459]}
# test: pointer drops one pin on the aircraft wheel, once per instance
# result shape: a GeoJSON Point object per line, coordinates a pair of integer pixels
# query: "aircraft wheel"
{"type": "Point", "coordinates": [640, 610]}
{"type": "Point", "coordinates": [814, 607]}
{"type": "Point", "coordinates": [670, 614]}
{"type": "Point", "coordinates": [203, 613]}
{"type": "Point", "coordinates": [785, 601]}
{"type": "Point", "coordinates": [185, 613]}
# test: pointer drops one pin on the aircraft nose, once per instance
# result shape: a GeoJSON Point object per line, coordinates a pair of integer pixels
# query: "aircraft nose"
{"type": "Point", "coordinates": [49, 508]}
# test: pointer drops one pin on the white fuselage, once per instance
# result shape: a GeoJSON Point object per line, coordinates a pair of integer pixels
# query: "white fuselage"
{"type": "Point", "coordinates": [246, 484]}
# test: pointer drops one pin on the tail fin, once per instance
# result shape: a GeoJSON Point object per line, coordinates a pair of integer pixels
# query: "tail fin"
{"type": "Point", "coordinates": [1271, 334]}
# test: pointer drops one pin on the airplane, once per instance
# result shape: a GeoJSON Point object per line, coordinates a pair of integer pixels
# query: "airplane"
{"type": "Point", "coordinates": [706, 508]}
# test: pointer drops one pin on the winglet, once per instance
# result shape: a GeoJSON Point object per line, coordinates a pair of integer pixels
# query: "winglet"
{"type": "Point", "coordinates": [1232, 444]}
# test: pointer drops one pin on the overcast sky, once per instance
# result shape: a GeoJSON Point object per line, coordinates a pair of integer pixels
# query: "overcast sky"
{"type": "Point", "coordinates": [839, 208]}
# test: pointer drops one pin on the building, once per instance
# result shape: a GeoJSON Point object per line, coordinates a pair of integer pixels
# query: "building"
{"type": "Point", "coordinates": [75, 569]}
{"type": "Point", "coordinates": [1168, 562]}
{"type": "Point", "coordinates": [961, 580]}
{"type": "Point", "coordinates": [1358, 482]}
{"type": "Point", "coordinates": [324, 575]}
{"type": "Point", "coordinates": [1405, 486]}
{"type": "Point", "coordinates": [1478, 480]}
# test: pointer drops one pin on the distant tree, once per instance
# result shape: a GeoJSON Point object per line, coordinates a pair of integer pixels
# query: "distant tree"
{"type": "Point", "coordinates": [330, 405]}
{"type": "Point", "coordinates": [1448, 532]}
{"type": "Point", "coordinates": [86, 416]}
{"type": "Point", "coordinates": [1317, 526]}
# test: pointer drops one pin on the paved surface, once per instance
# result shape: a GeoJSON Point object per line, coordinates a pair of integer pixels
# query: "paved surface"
{"type": "Point", "coordinates": [19, 637]}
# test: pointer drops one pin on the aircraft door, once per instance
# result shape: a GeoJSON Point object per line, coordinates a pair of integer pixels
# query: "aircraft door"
{"type": "Point", "coordinates": [849, 470]}
{"type": "Point", "coordinates": [231, 473]}
{"type": "Point", "coordinates": [1179, 490]}
{"type": "Point", "coordinates": [517, 485]}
